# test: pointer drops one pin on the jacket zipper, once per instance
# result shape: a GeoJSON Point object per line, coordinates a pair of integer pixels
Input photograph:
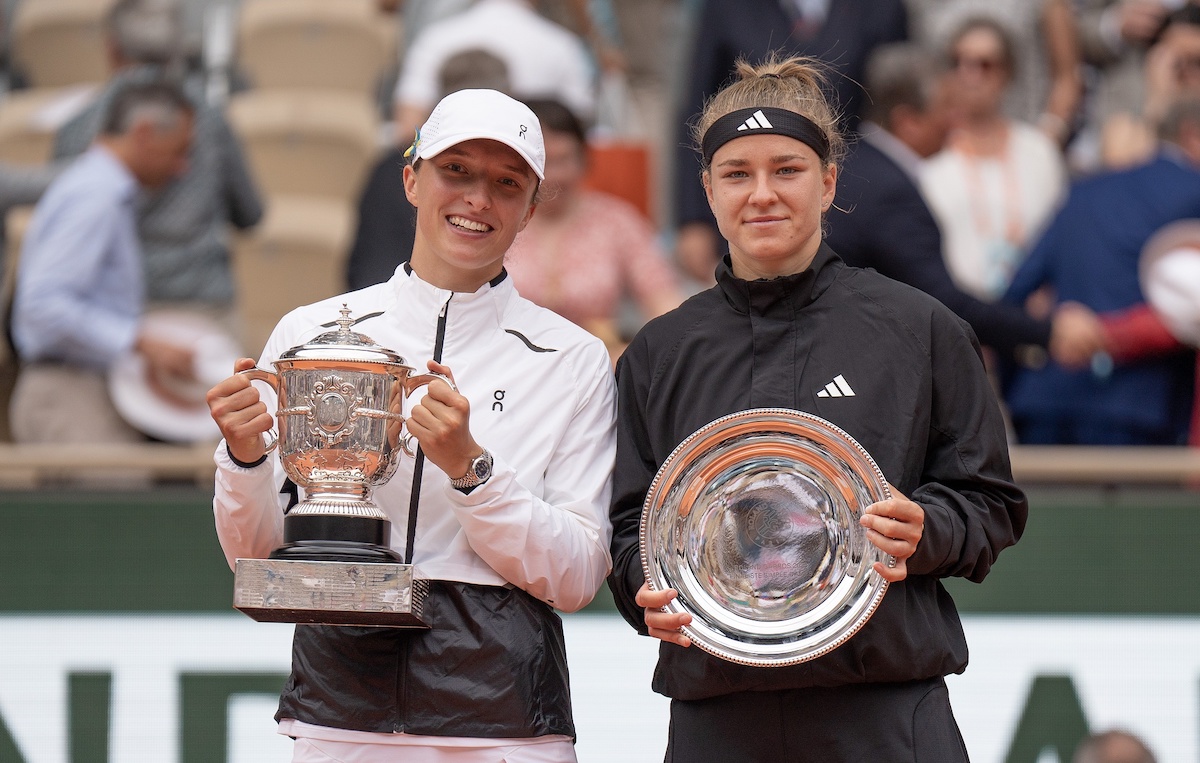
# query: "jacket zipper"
{"type": "Point", "coordinates": [414, 500]}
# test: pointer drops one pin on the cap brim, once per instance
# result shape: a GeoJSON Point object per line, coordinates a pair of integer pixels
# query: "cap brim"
{"type": "Point", "coordinates": [430, 150]}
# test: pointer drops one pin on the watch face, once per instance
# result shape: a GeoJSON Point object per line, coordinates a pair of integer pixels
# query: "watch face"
{"type": "Point", "coordinates": [482, 468]}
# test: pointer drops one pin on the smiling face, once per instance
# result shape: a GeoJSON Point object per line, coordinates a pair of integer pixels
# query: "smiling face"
{"type": "Point", "coordinates": [472, 199]}
{"type": "Point", "coordinates": [769, 193]}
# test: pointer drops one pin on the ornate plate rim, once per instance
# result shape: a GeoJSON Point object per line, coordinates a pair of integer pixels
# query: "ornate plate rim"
{"type": "Point", "coordinates": [881, 488]}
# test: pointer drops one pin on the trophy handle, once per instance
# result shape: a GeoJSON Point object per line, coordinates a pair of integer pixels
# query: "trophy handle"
{"type": "Point", "coordinates": [410, 384]}
{"type": "Point", "coordinates": [257, 374]}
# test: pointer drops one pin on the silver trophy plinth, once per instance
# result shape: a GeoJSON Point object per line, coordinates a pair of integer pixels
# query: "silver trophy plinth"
{"type": "Point", "coordinates": [340, 432]}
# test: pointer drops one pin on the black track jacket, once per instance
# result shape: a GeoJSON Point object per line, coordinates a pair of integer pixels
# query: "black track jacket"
{"type": "Point", "coordinates": [922, 406]}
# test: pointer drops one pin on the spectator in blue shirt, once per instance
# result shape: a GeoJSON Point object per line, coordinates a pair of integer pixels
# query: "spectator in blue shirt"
{"type": "Point", "coordinates": [80, 285]}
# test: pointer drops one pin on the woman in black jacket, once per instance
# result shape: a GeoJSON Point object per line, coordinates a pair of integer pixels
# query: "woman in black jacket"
{"type": "Point", "coordinates": [786, 319]}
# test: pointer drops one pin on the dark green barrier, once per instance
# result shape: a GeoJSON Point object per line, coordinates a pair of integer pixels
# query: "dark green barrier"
{"type": "Point", "coordinates": [1085, 551]}
{"type": "Point", "coordinates": [1096, 551]}
{"type": "Point", "coordinates": [76, 551]}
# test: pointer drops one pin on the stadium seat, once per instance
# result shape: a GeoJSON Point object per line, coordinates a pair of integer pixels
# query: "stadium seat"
{"type": "Point", "coordinates": [621, 168]}
{"type": "Point", "coordinates": [307, 142]}
{"type": "Point", "coordinates": [344, 45]}
{"type": "Point", "coordinates": [60, 42]}
{"type": "Point", "coordinates": [295, 256]}
{"type": "Point", "coordinates": [30, 118]}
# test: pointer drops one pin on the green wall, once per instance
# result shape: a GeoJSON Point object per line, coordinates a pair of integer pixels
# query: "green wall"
{"type": "Point", "coordinates": [1085, 550]}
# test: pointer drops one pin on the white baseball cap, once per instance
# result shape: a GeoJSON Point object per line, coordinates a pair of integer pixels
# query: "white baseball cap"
{"type": "Point", "coordinates": [473, 114]}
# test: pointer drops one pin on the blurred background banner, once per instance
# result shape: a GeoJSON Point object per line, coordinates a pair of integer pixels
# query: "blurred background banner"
{"type": "Point", "coordinates": [118, 643]}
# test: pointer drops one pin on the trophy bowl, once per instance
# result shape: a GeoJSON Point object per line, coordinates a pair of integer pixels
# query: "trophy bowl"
{"type": "Point", "coordinates": [341, 431]}
{"type": "Point", "coordinates": [754, 521]}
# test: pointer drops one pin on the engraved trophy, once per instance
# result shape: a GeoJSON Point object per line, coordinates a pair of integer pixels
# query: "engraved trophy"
{"type": "Point", "coordinates": [340, 432]}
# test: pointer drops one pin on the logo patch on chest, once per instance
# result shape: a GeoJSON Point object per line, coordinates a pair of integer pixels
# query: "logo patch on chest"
{"type": "Point", "coordinates": [839, 387]}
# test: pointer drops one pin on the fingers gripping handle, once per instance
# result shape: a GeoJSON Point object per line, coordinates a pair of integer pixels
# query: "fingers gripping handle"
{"type": "Point", "coordinates": [410, 385]}
{"type": "Point", "coordinates": [257, 374]}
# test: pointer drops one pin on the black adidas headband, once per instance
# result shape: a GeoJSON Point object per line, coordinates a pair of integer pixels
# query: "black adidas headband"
{"type": "Point", "coordinates": [763, 120]}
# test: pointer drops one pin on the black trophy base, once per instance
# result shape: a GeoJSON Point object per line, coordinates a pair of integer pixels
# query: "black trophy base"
{"type": "Point", "coordinates": [333, 538]}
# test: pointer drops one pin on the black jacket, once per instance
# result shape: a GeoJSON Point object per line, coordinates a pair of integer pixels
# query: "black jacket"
{"type": "Point", "coordinates": [493, 666]}
{"type": "Point", "coordinates": [923, 408]}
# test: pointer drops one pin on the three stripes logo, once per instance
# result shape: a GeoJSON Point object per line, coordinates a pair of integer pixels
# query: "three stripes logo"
{"type": "Point", "coordinates": [757, 121]}
{"type": "Point", "coordinates": [837, 388]}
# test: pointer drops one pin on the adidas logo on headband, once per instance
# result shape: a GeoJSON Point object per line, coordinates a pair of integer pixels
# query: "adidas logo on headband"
{"type": "Point", "coordinates": [757, 121]}
{"type": "Point", "coordinates": [754, 119]}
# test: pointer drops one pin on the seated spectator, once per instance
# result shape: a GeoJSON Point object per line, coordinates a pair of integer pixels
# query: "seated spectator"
{"type": "Point", "coordinates": [1170, 71]}
{"type": "Point", "coordinates": [1169, 320]}
{"type": "Point", "coordinates": [584, 250]}
{"type": "Point", "coordinates": [387, 224]}
{"type": "Point", "coordinates": [1090, 254]}
{"type": "Point", "coordinates": [1046, 83]}
{"type": "Point", "coordinates": [80, 283]}
{"type": "Point", "coordinates": [415, 15]}
{"type": "Point", "coordinates": [880, 220]}
{"type": "Point", "coordinates": [183, 227]}
{"type": "Point", "coordinates": [998, 180]}
{"type": "Point", "coordinates": [544, 60]}
{"type": "Point", "coordinates": [1114, 36]}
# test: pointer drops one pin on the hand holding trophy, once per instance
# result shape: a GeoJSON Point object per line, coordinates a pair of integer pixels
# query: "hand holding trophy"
{"type": "Point", "coordinates": [341, 428]}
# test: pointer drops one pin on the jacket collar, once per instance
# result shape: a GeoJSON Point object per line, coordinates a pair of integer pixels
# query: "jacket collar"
{"type": "Point", "coordinates": [417, 303]}
{"type": "Point", "coordinates": [782, 296]}
{"type": "Point", "coordinates": [127, 185]}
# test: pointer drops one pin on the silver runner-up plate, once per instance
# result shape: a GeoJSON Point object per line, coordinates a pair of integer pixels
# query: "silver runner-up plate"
{"type": "Point", "coordinates": [754, 521]}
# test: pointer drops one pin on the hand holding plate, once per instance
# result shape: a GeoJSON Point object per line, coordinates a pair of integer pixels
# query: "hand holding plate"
{"type": "Point", "coordinates": [894, 526]}
{"type": "Point", "coordinates": [752, 525]}
{"type": "Point", "coordinates": [663, 625]}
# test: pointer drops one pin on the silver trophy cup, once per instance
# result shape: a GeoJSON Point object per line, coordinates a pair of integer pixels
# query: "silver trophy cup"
{"type": "Point", "coordinates": [341, 430]}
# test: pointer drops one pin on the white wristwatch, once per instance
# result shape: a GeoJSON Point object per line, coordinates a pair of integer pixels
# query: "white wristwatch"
{"type": "Point", "coordinates": [479, 472]}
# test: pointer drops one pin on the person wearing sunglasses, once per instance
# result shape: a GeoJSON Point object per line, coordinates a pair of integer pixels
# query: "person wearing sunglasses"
{"type": "Point", "coordinates": [998, 180]}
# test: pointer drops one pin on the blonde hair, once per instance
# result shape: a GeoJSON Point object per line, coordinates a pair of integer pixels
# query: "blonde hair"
{"type": "Point", "coordinates": [794, 83]}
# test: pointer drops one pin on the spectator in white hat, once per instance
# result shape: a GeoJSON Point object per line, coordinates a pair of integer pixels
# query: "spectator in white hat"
{"type": "Point", "coordinates": [511, 482]}
{"type": "Point", "coordinates": [544, 60]}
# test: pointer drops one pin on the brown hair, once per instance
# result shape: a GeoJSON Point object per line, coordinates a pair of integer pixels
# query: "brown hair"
{"type": "Point", "coordinates": [900, 74]}
{"type": "Point", "coordinates": [795, 83]}
{"type": "Point", "coordinates": [1008, 50]}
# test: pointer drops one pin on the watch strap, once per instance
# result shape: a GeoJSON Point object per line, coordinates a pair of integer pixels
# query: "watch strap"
{"type": "Point", "coordinates": [472, 478]}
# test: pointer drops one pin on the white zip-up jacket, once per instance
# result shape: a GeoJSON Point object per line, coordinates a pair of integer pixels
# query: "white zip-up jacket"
{"type": "Point", "coordinates": [534, 536]}
{"type": "Point", "coordinates": [542, 401]}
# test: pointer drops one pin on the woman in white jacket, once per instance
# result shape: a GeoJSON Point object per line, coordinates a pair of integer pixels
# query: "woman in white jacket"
{"type": "Point", "coordinates": [533, 415]}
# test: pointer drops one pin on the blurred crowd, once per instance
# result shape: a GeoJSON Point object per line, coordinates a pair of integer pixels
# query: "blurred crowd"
{"type": "Point", "coordinates": [176, 174]}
